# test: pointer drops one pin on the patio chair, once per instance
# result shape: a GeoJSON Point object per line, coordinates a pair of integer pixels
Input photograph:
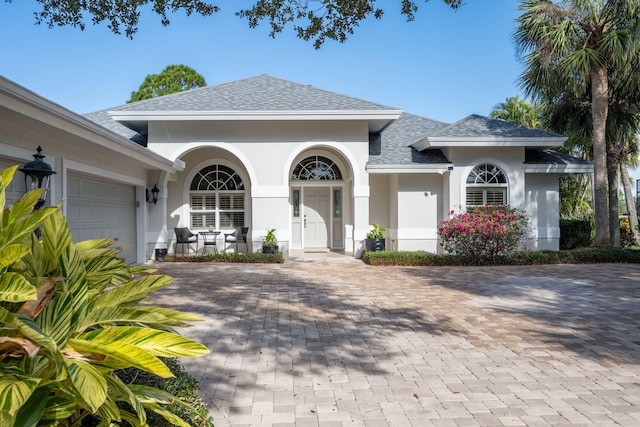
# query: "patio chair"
{"type": "Point", "coordinates": [239, 235]}
{"type": "Point", "coordinates": [184, 236]}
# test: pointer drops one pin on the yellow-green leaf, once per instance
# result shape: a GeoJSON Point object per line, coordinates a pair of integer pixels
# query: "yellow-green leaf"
{"type": "Point", "coordinates": [119, 315]}
{"type": "Point", "coordinates": [123, 392]}
{"type": "Point", "coordinates": [58, 409]}
{"type": "Point", "coordinates": [12, 253]}
{"type": "Point", "coordinates": [14, 392]}
{"type": "Point", "coordinates": [110, 411]}
{"type": "Point", "coordinates": [27, 328]}
{"type": "Point", "coordinates": [89, 382]}
{"type": "Point", "coordinates": [15, 288]}
{"type": "Point", "coordinates": [121, 355]}
{"type": "Point", "coordinates": [131, 292]}
{"type": "Point", "coordinates": [158, 343]}
{"type": "Point", "coordinates": [167, 415]}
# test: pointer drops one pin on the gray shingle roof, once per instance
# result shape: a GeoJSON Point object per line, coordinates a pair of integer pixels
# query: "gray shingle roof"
{"type": "Point", "coordinates": [392, 147]}
{"type": "Point", "coordinates": [259, 93]}
{"type": "Point", "coordinates": [480, 126]}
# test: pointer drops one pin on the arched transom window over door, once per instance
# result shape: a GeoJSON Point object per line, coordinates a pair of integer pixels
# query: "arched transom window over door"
{"type": "Point", "coordinates": [486, 185]}
{"type": "Point", "coordinates": [217, 198]}
{"type": "Point", "coordinates": [316, 168]}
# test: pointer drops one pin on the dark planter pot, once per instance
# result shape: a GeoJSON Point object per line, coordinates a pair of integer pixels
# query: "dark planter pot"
{"type": "Point", "coordinates": [374, 245]}
{"type": "Point", "coordinates": [160, 254]}
{"type": "Point", "coordinates": [270, 249]}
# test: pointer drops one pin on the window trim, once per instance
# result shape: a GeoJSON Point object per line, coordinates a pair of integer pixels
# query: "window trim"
{"type": "Point", "coordinates": [218, 213]}
{"type": "Point", "coordinates": [486, 187]}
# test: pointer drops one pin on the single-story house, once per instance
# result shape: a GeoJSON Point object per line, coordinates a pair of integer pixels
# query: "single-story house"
{"type": "Point", "coordinates": [265, 153]}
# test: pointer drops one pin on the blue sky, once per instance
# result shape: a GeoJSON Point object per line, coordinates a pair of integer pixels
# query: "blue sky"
{"type": "Point", "coordinates": [445, 65]}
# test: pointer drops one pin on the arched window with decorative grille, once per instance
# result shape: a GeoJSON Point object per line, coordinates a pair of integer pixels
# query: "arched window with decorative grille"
{"type": "Point", "coordinates": [217, 198]}
{"type": "Point", "coordinates": [316, 168]}
{"type": "Point", "coordinates": [486, 185]}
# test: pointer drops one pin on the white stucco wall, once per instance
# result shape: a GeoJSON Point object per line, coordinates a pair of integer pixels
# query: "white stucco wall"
{"type": "Point", "coordinates": [419, 211]}
{"type": "Point", "coordinates": [265, 153]}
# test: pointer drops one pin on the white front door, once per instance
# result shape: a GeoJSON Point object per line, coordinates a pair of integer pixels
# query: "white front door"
{"type": "Point", "coordinates": [317, 211]}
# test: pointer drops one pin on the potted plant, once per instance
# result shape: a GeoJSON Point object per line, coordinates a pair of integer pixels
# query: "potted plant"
{"type": "Point", "coordinates": [375, 239]}
{"type": "Point", "coordinates": [269, 242]}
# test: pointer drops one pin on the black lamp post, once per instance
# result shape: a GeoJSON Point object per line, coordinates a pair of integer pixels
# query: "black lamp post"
{"type": "Point", "coordinates": [37, 174]}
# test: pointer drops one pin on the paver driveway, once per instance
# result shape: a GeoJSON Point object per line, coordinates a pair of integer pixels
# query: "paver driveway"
{"type": "Point", "coordinates": [338, 343]}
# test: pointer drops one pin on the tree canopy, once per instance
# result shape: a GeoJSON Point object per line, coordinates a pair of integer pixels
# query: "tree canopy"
{"type": "Point", "coordinates": [519, 111]}
{"type": "Point", "coordinates": [174, 78]}
{"type": "Point", "coordinates": [311, 20]}
{"type": "Point", "coordinates": [570, 46]}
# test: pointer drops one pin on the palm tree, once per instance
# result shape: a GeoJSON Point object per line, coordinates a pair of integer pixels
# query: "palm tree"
{"type": "Point", "coordinates": [518, 111]}
{"type": "Point", "coordinates": [571, 115]}
{"type": "Point", "coordinates": [569, 45]}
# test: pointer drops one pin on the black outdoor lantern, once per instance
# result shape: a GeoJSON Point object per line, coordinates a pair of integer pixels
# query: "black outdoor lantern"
{"type": "Point", "coordinates": [153, 197]}
{"type": "Point", "coordinates": [37, 174]}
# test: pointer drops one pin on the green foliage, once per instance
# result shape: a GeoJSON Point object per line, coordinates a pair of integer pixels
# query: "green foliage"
{"type": "Point", "coordinates": [518, 111]}
{"type": "Point", "coordinates": [116, 14]}
{"type": "Point", "coordinates": [576, 53]}
{"type": "Point", "coordinates": [317, 21]}
{"type": "Point", "coordinates": [239, 257]}
{"type": "Point", "coordinates": [576, 256]}
{"type": "Point", "coordinates": [376, 232]}
{"type": "Point", "coordinates": [270, 238]}
{"type": "Point", "coordinates": [484, 233]}
{"type": "Point", "coordinates": [173, 79]}
{"type": "Point", "coordinates": [182, 385]}
{"type": "Point", "coordinates": [69, 317]}
{"type": "Point", "coordinates": [576, 233]}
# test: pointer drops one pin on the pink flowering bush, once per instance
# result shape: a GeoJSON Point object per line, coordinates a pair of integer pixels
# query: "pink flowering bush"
{"type": "Point", "coordinates": [484, 233]}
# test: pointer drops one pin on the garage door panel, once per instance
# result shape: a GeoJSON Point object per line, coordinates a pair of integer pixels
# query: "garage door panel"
{"type": "Point", "coordinates": [15, 190]}
{"type": "Point", "coordinates": [102, 209]}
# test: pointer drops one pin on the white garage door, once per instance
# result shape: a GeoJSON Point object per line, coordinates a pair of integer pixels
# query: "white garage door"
{"type": "Point", "coordinates": [97, 208]}
{"type": "Point", "coordinates": [16, 188]}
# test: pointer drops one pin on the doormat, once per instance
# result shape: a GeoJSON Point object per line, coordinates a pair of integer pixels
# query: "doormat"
{"type": "Point", "coordinates": [315, 252]}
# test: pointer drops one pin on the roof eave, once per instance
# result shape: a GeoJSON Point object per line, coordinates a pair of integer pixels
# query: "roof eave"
{"type": "Point", "coordinates": [413, 168]}
{"type": "Point", "coordinates": [465, 142]}
{"type": "Point", "coordinates": [553, 168]}
{"type": "Point", "coordinates": [138, 120]}
{"type": "Point", "coordinates": [79, 125]}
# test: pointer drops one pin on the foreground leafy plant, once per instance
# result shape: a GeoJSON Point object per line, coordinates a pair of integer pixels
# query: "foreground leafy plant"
{"type": "Point", "coordinates": [484, 233]}
{"type": "Point", "coordinates": [69, 317]}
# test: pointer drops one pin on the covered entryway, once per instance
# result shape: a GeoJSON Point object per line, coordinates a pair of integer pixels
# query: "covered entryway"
{"type": "Point", "coordinates": [102, 209]}
{"type": "Point", "coordinates": [317, 203]}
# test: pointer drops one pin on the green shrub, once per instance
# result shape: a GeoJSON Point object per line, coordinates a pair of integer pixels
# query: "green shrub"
{"type": "Point", "coordinates": [484, 233]}
{"type": "Point", "coordinates": [254, 258]}
{"type": "Point", "coordinates": [69, 318]}
{"type": "Point", "coordinates": [576, 233]}
{"type": "Point", "coordinates": [576, 256]}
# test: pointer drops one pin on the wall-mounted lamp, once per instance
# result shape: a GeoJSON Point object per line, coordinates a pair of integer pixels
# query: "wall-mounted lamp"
{"type": "Point", "coordinates": [152, 195]}
{"type": "Point", "coordinates": [37, 175]}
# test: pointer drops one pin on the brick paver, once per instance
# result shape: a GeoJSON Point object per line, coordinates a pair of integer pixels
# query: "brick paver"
{"type": "Point", "coordinates": [335, 342]}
